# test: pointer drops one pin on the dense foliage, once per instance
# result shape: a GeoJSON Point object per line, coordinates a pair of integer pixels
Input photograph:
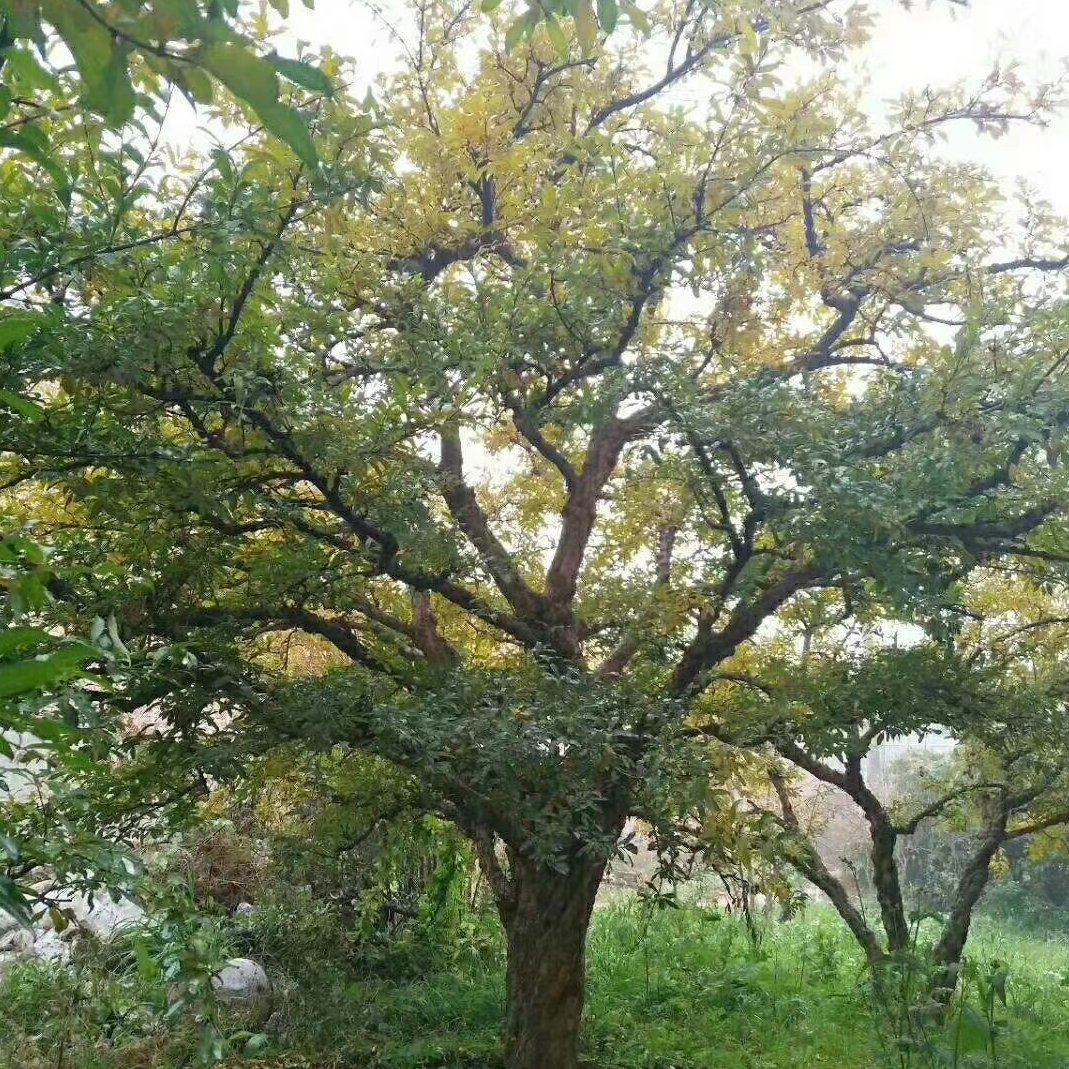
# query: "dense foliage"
{"type": "Point", "coordinates": [508, 430]}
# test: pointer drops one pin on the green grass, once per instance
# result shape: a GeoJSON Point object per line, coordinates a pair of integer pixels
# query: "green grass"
{"type": "Point", "coordinates": [680, 989]}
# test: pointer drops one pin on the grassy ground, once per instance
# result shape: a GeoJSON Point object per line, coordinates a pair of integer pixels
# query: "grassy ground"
{"type": "Point", "coordinates": [682, 989]}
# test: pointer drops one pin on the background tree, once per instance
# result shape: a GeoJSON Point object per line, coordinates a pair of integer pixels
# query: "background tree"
{"type": "Point", "coordinates": [537, 405]}
{"type": "Point", "coordinates": [1006, 780]}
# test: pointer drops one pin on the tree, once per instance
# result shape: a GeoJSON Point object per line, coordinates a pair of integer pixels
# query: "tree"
{"type": "Point", "coordinates": [42, 750]}
{"type": "Point", "coordinates": [540, 403]}
{"type": "Point", "coordinates": [1007, 779]}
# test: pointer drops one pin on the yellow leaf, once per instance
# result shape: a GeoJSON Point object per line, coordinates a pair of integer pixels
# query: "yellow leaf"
{"type": "Point", "coordinates": [586, 26]}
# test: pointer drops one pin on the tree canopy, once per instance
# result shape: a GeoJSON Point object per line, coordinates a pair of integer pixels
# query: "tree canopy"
{"type": "Point", "coordinates": [539, 405]}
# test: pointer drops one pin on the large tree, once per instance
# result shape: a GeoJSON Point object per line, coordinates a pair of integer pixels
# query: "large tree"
{"type": "Point", "coordinates": [537, 402]}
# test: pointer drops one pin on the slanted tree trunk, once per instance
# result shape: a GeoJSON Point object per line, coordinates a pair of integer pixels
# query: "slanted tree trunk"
{"type": "Point", "coordinates": [951, 945]}
{"type": "Point", "coordinates": [546, 925]}
{"type": "Point", "coordinates": [806, 860]}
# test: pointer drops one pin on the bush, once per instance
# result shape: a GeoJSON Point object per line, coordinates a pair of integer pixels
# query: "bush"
{"type": "Point", "coordinates": [221, 866]}
{"type": "Point", "coordinates": [1033, 895]}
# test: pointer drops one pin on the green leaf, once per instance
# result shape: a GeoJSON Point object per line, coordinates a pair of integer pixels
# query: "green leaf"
{"type": "Point", "coordinates": [288, 126]}
{"type": "Point", "coordinates": [974, 1033]}
{"type": "Point", "coordinates": [248, 77]}
{"type": "Point", "coordinates": [21, 66]}
{"type": "Point", "coordinates": [998, 983]}
{"type": "Point", "coordinates": [23, 141]}
{"type": "Point", "coordinates": [21, 639]}
{"type": "Point", "coordinates": [30, 676]}
{"type": "Point", "coordinates": [303, 74]}
{"type": "Point", "coordinates": [557, 36]}
{"type": "Point", "coordinates": [195, 84]}
{"type": "Point", "coordinates": [100, 59]}
{"type": "Point", "coordinates": [257, 1044]}
{"type": "Point", "coordinates": [520, 28]}
{"type": "Point", "coordinates": [586, 26]}
{"type": "Point", "coordinates": [19, 326]}
{"type": "Point", "coordinates": [223, 164]}
{"type": "Point", "coordinates": [489, 5]}
{"type": "Point", "coordinates": [112, 94]}
{"type": "Point", "coordinates": [27, 409]}
{"type": "Point", "coordinates": [25, 16]}
{"type": "Point", "coordinates": [637, 17]}
{"type": "Point", "coordinates": [12, 902]}
{"type": "Point", "coordinates": [254, 81]}
{"type": "Point", "coordinates": [281, 6]}
{"type": "Point", "coordinates": [608, 15]}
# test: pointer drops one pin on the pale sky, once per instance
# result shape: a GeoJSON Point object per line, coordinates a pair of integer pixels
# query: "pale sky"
{"type": "Point", "coordinates": [943, 44]}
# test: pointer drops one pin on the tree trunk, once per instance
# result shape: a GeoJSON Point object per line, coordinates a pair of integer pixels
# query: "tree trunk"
{"type": "Point", "coordinates": [974, 879]}
{"type": "Point", "coordinates": [546, 919]}
{"type": "Point", "coordinates": [887, 885]}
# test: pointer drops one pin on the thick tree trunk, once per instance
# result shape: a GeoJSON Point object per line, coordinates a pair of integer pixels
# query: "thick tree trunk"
{"type": "Point", "coordinates": [887, 884]}
{"type": "Point", "coordinates": [546, 921]}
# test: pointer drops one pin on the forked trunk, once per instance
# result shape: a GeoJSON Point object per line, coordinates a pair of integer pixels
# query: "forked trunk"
{"type": "Point", "coordinates": [546, 924]}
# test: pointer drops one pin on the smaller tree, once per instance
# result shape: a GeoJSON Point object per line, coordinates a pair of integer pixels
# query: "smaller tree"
{"type": "Point", "coordinates": [823, 715]}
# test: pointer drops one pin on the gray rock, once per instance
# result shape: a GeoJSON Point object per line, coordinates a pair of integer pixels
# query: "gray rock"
{"type": "Point", "coordinates": [49, 946]}
{"type": "Point", "coordinates": [106, 918]}
{"type": "Point", "coordinates": [244, 909]}
{"type": "Point", "coordinates": [18, 941]}
{"type": "Point", "coordinates": [242, 983]}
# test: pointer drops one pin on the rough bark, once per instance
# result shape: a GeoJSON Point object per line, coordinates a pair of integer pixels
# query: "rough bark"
{"type": "Point", "coordinates": [887, 884]}
{"type": "Point", "coordinates": [546, 917]}
{"type": "Point", "coordinates": [947, 952]}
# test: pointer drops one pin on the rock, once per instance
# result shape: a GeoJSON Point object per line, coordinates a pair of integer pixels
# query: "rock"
{"type": "Point", "coordinates": [244, 909]}
{"type": "Point", "coordinates": [18, 941]}
{"type": "Point", "coordinates": [106, 917]}
{"type": "Point", "coordinates": [103, 919]}
{"type": "Point", "coordinates": [49, 946]}
{"type": "Point", "coordinates": [242, 983]}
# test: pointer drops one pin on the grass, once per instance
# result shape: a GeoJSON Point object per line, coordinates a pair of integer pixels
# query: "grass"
{"type": "Point", "coordinates": [680, 989]}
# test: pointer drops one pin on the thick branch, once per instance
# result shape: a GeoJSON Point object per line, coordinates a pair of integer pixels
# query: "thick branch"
{"type": "Point", "coordinates": [809, 864]}
{"type": "Point", "coordinates": [710, 647]}
{"type": "Point", "coordinates": [580, 509]}
{"type": "Point", "coordinates": [465, 509]}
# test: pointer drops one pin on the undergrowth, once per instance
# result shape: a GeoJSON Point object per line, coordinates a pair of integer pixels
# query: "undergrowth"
{"type": "Point", "coordinates": [672, 989]}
